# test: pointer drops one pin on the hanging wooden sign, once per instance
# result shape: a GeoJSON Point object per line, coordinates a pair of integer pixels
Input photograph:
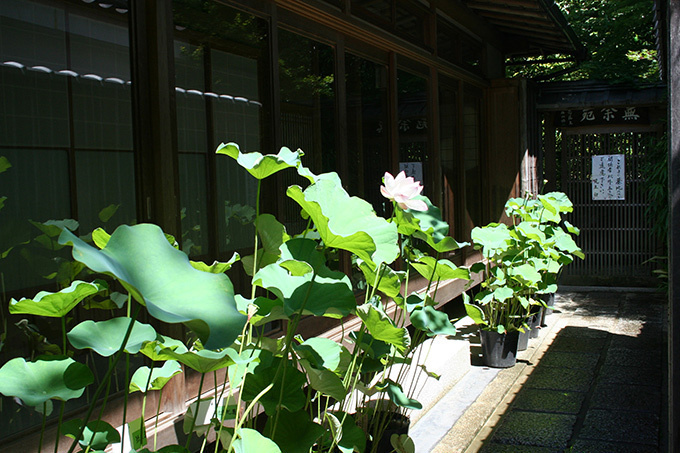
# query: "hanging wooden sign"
{"type": "Point", "coordinates": [604, 116]}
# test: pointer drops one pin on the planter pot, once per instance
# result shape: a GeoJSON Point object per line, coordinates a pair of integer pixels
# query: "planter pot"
{"type": "Point", "coordinates": [499, 350]}
{"type": "Point", "coordinates": [535, 323]}
{"type": "Point", "coordinates": [549, 300]}
{"type": "Point", "coordinates": [397, 425]}
{"type": "Point", "coordinates": [523, 340]}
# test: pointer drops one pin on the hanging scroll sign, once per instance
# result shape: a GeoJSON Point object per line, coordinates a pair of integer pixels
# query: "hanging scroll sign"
{"type": "Point", "coordinates": [609, 177]}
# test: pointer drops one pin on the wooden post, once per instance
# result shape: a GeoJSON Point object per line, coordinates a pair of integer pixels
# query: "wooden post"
{"type": "Point", "coordinates": [151, 46]}
{"type": "Point", "coordinates": [674, 227]}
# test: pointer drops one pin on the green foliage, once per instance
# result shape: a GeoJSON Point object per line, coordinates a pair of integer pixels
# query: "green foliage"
{"type": "Point", "coordinates": [619, 36]}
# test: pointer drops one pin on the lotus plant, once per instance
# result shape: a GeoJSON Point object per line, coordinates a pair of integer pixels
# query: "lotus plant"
{"type": "Point", "coordinates": [290, 394]}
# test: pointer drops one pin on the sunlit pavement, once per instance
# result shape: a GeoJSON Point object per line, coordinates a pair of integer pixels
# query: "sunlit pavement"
{"type": "Point", "coordinates": [592, 382]}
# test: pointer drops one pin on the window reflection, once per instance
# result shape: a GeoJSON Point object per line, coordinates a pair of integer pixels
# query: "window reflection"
{"type": "Point", "coordinates": [367, 130]}
{"type": "Point", "coordinates": [220, 66]}
{"type": "Point", "coordinates": [412, 125]}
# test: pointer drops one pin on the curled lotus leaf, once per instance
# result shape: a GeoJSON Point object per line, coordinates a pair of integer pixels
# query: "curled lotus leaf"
{"type": "Point", "coordinates": [347, 223]}
{"type": "Point", "coordinates": [50, 377]}
{"type": "Point", "coordinates": [157, 379]}
{"type": "Point", "coordinates": [249, 440]}
{"type": "Point", "coordinates": [258, 165]}
{"type": "Point", "coordinates": [161, 277]}
{"type": "Point", "coordinates": [55, 305]}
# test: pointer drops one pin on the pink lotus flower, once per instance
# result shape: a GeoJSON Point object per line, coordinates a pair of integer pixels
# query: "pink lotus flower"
{"type": "Point", "coordinates": [402, 190]}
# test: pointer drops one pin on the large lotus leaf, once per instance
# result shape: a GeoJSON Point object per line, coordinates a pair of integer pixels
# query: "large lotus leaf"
{"type": "Point", "coordinates": [159, 377]}
{"type": "Point", "coordinates": [436, 270]}
{"type": "Point", "coordinates": [320, 352]}
{"type": "Point", "coordinates": [493, 238]}
{"type": "Point", "coordinates": [564, 241]}
{"type": "Point", "coordinates": [295, 431]}
{"type": "Point", "coordinates": [217, 267]}
{"type": "Point", "coordinates": [502, 293]}
{"type": "Point", "coordinates": [324, 381]}
{"type": "Point", "coordinates": [353, 438]}
{"type": "Point", "coordinates": [105, 337]}
{"type": "Point", "coordinates": [55, 305]}
{"type": "Point", "coordinates": [397, 395]}
{"type": "Point", "coordinates": [389, 281]}
{"type": "Point", "coordinates": [476, 314]}
{"type": "Point", "coordinates": [427, 226]}
{"type": "Point", "coordinates": [272, 232]}
{"type": "Point", "coordinates": [258, 165]}
{"type": "Point", "coordinates": [525, 274]}
{"type": "Point", "coordinates": [245, 363]}
{"type": "Point", "coordinates": [532, 231]}
{"type": "Point", "coordinates": [432, 321]}
{"type": "Point", "coordinates": [381, 327]}
{"type": "Point", "coordinates": [162, 278]}
{"type": "Point", "coordinates": [203, 361]}
{"type": "Point", "coordinates": [559, 200]}
{"type": "Point", "coordinates": [402, 443]}
{"type": "Point", "coordinates": [329, 295]}
{"type": "Point", "coordinates": [250, 441]}
{"type": "Point", "coordinates": [288, 383]}
{"type": "Point", "coordinates": [305, 250]}
{"type": "Point", "coordinates": [97, 434]}
{"type": "Point", "coordinates": [53, 228]}
{"type": "Point", "coordinates": [347, 223]}
{"type": "Point", "coordinates": [48, 377]}
{"type": "Point", "coordinates": [155, 349]}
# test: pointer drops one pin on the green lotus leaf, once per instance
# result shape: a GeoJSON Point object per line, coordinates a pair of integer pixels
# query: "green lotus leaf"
{"type": "Point", "coordinates": [559, 200]}
{"type": "Point", "coordinates": [105, 337]}
{"type": "Point", "coordinates": [532, 231]}
{"type": "Point", "coordinates": [389, 282]}
{"type": "Point", "coordinates": [571, 228]}
{"type": "Point", "coordinates": [258, 165]}
{"type": "Point", "coordinates": [347, 223]}
{"type": "Point", "coordinates": [493, 238]}
{"type": "Point", "coordinates": [250, 441]}
{"type": "Point", "coordinates": [245, 363]}
{"type": "Point", "coordinates": [324, 381]}
{"type": "Point", "coordinates": [564, 241]}
{"type": "Point", "coordinates": [397, 395]}
{"type": "Point", "coordinates": [526, 274]}
{"type": "Point", "coordinates": [353, 438]}
{"type": "Point", "coordinates": [48, 377]}
{"type": "Point", "coordinates": [55, 305]}
{"type": "Point", "coordinates": [288, 383]}
{"type": "Point", "coordinates": [154, 349]}
{"type": "Point", "coordinates": [295, 431]}
{"type": "Point", "coordinates": [159, 377]}
{"type": "Point", "coordinates": [436, 270]}
{"type": "Point", "coordinates": [476, 314]}
{"type": "Point", "coordinates": [272, 233]}
{"type": "Point", "coordinates": [97, 434]}
{"type": "Point", "coordinates": [53, 228]}
{"type": "Point", "coordinates": [320, 352]}
{"type": "Point", "coordinates": [108, 212]}
{"type": "Point", "coordinates": [217, 267]}
{"type": "Point", "coordinates": [502, 293]}
{"type": "Point", "coordinates": [381, 327]}
{"type": "Point", "coordinates": [4, 164]}
{"type": "Point", "coordinates": [328, 295]}
{"type": "Point", "coordinates": [161, 277]}
{"type": "Point", "coordinates": [432, 321]}
{"type": "Point", "coordinates": [203, 361]}
{"type": "Point", "coordinates": [427, 226]}
{"type": "Point", "coordinates": [402, 443]}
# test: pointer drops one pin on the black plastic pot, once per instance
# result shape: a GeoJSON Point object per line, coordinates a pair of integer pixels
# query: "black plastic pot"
{"type": "Point", "coordinates": [549, 300]}
{"type": "Point", "coordinates": [535, 321]}
{"type": "Point", "coordinates": [398, 424]}
{"type": "Point", "coordinates": [499, 350]}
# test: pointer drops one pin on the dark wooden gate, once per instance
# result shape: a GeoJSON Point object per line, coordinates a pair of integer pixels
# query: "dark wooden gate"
{"type": "Point", "coordinates": [615, 234]}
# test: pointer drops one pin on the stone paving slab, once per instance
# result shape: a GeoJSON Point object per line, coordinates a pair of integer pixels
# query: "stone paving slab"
{"type": "Point", "coordinates": [592, 383]}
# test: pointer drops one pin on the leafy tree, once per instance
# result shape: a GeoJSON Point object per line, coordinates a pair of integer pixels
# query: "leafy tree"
{"type": "Point", "coordinates": [619, 36]}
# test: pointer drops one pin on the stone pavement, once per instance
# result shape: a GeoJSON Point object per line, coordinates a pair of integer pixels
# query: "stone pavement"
{"type": "Point", "coordinates": [594, 381]}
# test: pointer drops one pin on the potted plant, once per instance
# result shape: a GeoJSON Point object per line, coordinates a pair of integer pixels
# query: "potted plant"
{"type": "Point", "coordinates": [276, 394]}
{"type": "Point", "coordinates": [522, 263]}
